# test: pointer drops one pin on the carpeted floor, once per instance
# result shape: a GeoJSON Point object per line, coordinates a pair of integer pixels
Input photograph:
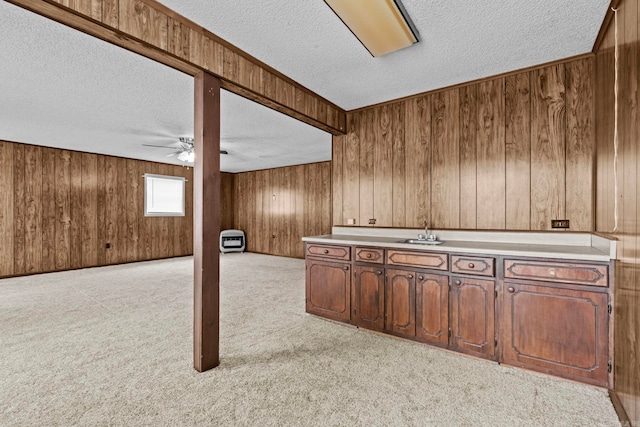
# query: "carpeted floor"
{"type": "Point", "coordinates": [113, 346]}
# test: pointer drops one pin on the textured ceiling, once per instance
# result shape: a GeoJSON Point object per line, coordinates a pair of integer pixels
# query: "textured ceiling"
{"type": "Point", "coordinates": [461, 40]}
{"type": "Point", "coordinates": [62, 88]}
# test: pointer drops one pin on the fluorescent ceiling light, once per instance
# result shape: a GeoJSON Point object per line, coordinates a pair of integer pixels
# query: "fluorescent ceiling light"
{"type": "Point", "coordinates": [382, 26]}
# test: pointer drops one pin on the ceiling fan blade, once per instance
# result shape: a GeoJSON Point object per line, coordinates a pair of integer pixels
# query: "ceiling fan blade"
{"type": "Point", "coordinates": [159, 146]}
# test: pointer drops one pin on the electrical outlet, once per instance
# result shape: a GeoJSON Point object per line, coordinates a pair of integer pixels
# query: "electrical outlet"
{"type": "Point", "coordinates": [559, 223]}
{"type": "Point", "coordinates": [372, 221]}
{"type": "Point", "coordinates": [351, 221]}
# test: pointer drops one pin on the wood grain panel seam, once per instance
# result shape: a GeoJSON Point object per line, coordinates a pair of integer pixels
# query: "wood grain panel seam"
{"type": "Point", "coordinates": [529, 75]}
{"type": "Point", "coordinates": [566, 145]}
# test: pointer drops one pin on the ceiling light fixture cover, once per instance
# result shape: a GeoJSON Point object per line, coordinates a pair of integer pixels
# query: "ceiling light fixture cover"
{"type": "Point", "coordinates": [187, 156]}
{"type": "Point", "coordinates": [382, 26]}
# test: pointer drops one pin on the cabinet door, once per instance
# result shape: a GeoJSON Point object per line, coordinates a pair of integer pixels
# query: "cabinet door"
{"type": "Point", "coordinates": [473, 316]}
{"type": "Point", "coordinates": [400, 316]}
{"type": "Point", "coordinates": [328, 287]}
{"type": "Point", "coordinates": [369, 297]}
{"type": "Point", "coordinates": [558, 331]}
{"type": "Point", "coordinates": [432, 308]}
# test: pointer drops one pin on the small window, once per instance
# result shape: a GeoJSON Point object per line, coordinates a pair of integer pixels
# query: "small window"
{"type": "Point", "coordinates": [163, 195]}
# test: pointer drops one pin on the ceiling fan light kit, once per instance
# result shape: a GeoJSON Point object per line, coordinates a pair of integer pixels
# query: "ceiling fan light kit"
{"type": "Point", "coordinates": [186, 151]}
{"type": "Point", "coordinates": [382, 26]}
{"type": "Point", "coordinates": [187, 156]}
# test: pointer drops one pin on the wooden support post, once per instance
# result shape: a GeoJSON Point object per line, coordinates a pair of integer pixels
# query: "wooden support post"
{"type": "Point", "coordinates": [206, 223]}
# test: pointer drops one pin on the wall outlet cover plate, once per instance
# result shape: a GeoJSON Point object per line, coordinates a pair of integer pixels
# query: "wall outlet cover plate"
{"type": "Point", "coordinates": [559, 223]}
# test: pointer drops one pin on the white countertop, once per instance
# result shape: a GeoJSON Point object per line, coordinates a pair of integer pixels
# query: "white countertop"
{"type": "Point", "coordinates": [561, 245]}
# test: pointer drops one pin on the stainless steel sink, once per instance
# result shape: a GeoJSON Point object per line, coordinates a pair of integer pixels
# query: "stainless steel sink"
{"type": "Point", "coordinates": [421, 242]}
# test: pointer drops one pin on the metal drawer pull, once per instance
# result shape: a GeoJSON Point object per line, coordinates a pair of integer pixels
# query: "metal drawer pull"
{"type": "Point", "coordinates": [458, 282]}
{"type": "Point", "coordinates": [552, 272]}
{"type": "Point", "coordinates": [378, 272]}
{"type": "Point", "coordinates": [510, 289]}
{"type": "Point", "coordinates": [368, 255]}
{"type": "Point", "coordinates": [346, 267]}
{"type": "Point", "coordinates": [471, 265]}
{"type": "Point", "coordinates": [420, 277]}
{"type": "Point", "coordinates": [326, 251]}
{"type": "Point", "coordinates": [410, 276]}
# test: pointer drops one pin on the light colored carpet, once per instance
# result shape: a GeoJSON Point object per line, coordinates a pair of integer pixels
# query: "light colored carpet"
{"type": "Point", "coordinates": [113, 346]}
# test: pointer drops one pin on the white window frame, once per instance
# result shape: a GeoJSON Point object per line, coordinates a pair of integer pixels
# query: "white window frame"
{"type": "Point", "coordinates": [146, 206]}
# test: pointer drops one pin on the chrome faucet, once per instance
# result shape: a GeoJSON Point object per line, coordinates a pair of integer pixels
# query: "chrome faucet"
{"type": "Point", "coordinates": [428, 235]}
{"type": "Point", "coordinates": [425, 236]}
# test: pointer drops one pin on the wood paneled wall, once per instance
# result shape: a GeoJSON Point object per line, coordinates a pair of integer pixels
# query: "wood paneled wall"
{"type": "Point", "coordinates": [511, 152]}
{"type": "Point", "coordinates": [277, 207]}
{"type": "Point", "coordinates": [627, 226]}
{"type": "Point", "coordinates": [226, 201]}
{"type": "Point", "coordinates": [60, 208]}
{"type": "Point", "coordinates": [155, 31]}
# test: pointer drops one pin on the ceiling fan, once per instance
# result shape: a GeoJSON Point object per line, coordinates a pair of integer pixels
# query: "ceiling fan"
{"type": "Point", "coordinates": [183, 149]}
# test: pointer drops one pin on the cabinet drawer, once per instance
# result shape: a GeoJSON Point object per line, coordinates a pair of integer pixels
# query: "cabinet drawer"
{"type": "Point", "coordinates": [479, 266]}
{"type": "Point", "coordinates": [372, 255]}
{"type": "Point", "coordinates": [430, 260]}
{"type": "Point", "coordinates": [329, 251]}
{"type": "Point", "coordinates": [563, 272]}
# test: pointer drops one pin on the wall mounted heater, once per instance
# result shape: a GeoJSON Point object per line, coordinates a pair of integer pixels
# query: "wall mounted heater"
{"type": "Point", "coordinates": [232, 241]}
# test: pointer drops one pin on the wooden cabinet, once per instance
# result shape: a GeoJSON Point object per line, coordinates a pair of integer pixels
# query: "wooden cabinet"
{"type": "Point", "coordinates": [370, 255]}
{"type": "Point", "coordinates": [368, 297]}
{"type": "Point", "coordinates": [558, 331]}
{"type": "Point", "coordinates": [430, 260]}
{"type": "Point", "coordinates": [477, 266]}
{"type": "Point", "coordinates": [400, 302]}
{"type": "Point", "coordinates": [328, 288]}
{"type": "Point", "coordinates": [432, 308]}
{"type": "Point", "coordinates": [329, 251]}
{"type": "Point", "coordinates": [473, 316]}
{"type": "Point", "coordinates": [555, 271]}
{"type": "Point", "coordinates": [552, 315]}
